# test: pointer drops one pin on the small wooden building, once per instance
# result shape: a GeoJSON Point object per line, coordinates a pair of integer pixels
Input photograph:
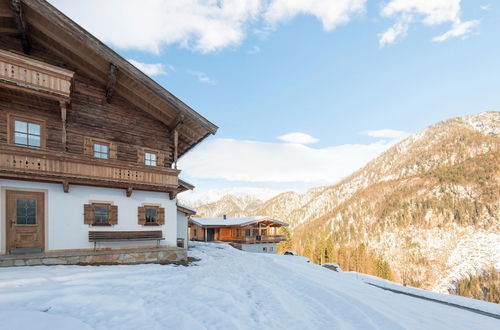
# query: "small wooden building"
{"type": "Point", "coordinates": [253, 234]}
{"type": "Point", "coordinates": [88, 145]}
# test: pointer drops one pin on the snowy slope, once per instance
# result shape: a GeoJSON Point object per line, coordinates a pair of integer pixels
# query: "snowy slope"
{"type": "Point", "coordinates": [227, 289]}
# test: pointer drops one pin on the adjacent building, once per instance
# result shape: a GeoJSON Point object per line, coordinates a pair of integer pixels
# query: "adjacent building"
{"type": "Point", "coordinates": [253, 234]}
{"type": "Point", "coordinates": [88, 147]}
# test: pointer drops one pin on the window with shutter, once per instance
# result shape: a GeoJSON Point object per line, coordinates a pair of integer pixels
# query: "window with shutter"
{"type": "Point", "coordinates": [99, 148]}
{"type": "Point", "coordinates": [100, 214]}
{"type": "Point", "coordinates": [151, 215]}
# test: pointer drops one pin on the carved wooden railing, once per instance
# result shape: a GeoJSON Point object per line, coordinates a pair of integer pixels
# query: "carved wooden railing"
{"type": "Point", "coordinates": [263, 239]}
{"type": "Point", "coordinates": [25, 163]}
{"type": "Point", "coordinates": [21, 72]}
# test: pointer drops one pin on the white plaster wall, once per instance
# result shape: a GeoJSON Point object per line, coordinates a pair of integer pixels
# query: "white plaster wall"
{"type": "Point", "coordinates": [64, 217]}
{"type": "Point", "coordinates": [258, 248]}
{"type": "Point", "coordinates": [182, 227]}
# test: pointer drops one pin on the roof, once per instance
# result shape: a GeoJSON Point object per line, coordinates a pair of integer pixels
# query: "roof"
{"type": "Point", "coordinates": [185, 209]}
{"type": "Point", "coordinates": [184, 185]}
{"type": "Point", "coordinates": [51, 29]}
{"type": "Point", "coordinates": [244, 221]}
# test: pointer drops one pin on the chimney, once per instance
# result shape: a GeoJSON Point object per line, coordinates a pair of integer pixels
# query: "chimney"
{"type": "Point", "coordinates": [225, 217]}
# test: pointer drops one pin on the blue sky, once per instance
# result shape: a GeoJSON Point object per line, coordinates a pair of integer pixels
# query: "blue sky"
{"type": "Point", "coordinates": [338, 72]}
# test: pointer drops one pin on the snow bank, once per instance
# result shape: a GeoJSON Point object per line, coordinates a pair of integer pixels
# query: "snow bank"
{"type": "Point", "coordinates": [226, 289]}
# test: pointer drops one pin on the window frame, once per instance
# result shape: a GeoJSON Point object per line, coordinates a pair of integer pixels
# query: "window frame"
{"type": "Point", "coordinates": [108, 206]}
{"type": "Point", "coordinates": [11, 128]}
{"type": "Point", "coordinates": [101, 144]}
{"type": "Point", "coordinates": [155, 222]}
{"type": "Point", "coordinates": [146, 160]}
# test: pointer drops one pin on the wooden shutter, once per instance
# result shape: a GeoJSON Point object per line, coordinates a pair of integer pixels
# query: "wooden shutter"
{"type": "Point", "coordinates": [113, 215]}
{"type": "Point", "coordinates": [88, 214]}
{"type": "Point", "coordinates": [160, 159]}
{"type": "Point", "coordinates": [140, 156]}
{"type": "Point", "coordinates": [88, 147]}
{"type": "Point", "coordinates": [141, 215]}
{"type": "Point", "coordinates": [113, 151]}
{"type": "Point", "coordinates": [160, 217]}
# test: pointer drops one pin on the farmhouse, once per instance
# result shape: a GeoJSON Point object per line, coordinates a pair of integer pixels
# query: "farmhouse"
{"type": "Point", "coordinates": [88, 148]}
{"type": "Point", "coordinates": [253, 234]}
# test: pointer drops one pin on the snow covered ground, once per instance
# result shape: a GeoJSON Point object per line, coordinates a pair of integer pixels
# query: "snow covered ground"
{"type": "Point", "coordinates": [227, 289]}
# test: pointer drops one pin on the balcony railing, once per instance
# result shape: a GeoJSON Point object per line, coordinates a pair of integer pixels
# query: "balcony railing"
{"type": "Point", "coordinates": [22, 72]}
{"type": "Point", "coordinates": [26, 163]}
{"type": "Point", "coordinates": [262, 239]}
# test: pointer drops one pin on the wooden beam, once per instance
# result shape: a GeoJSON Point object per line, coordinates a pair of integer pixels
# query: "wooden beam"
{"type": "Point", "coordinates": [110, 87]}
{"type": "Point", "coordinates": [176, 147]}
{"type": "Point", "coordinates": [129, 191]}
{"type": "Point", "coordinates": [172, 194]}
{"type": "Point", "coordinates": [63, 119]}
{"type": "Point", "coordinates": [20, 21]}
{"type": "Point", "coordinates": [65, 186]}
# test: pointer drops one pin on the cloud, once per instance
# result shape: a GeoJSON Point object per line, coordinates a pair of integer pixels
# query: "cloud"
{"type": "Point", "coordinates": [428, 12]}
{"type": "Point", "coordinates": [386, 133]}
{"type": "Point", "coordinates": [254, 50]}
{"type": "Point", "coordinates": [149, 69]}
{"type": "Point", "coordinates": [253, 161]}
{"type": "Point", "coordinates": [485, 7]}
{"type": "Point", "coordinates": [202, 77]}
{"type": "Point", "coordinates": [461, 29]}
{"type": "Point", "coordinates": [298, 138]}
{"type": "Point", "coordinates": [330, 13]}
{"type": "Point", "coordinates": [200, 25]}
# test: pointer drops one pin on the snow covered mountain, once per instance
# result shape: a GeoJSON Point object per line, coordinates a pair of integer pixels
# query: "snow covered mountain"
{"type": "Point", "coordinates": [429, 206]}
{"type": "Point", "coordinates": [225, 289]}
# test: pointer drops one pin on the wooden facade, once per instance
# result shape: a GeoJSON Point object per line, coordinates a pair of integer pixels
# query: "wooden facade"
{"type": "Point", "coordinates": [81, 94]}
{"type": "Point", "coordinates": [260, 231]}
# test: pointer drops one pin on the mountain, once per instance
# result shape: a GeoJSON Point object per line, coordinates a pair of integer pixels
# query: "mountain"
{"type": "Point", "coordinates": [230, 205]}
{"type": "Point", "coordinates": [425, 213]}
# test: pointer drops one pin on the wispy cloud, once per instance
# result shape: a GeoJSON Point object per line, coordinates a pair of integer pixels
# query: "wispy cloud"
{"type": "Point", "coordinates": [151, 69]}
{"type": "Point", "coordinates": [461, 29]}
{"type": "Point", "coordinates": [254, 50]}
{"type": "Point", "coordinates": [298, 138]}
{"type": "Point", "coordinates": [386, 133]}
{"type": "Point", "coordinates": [428, 12]}
{"type": "Point", "coordinates": [202, 77]}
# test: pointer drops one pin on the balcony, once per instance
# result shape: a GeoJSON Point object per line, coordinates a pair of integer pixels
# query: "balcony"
{"type": "Point", "coordinates": [34, 164]}
{"type": "Point", "coordinates": [262, 239]}
{"type": "Point", "coordinates": [24, 73]}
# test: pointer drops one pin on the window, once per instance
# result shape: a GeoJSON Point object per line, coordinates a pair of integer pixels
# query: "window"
{"type": "Point", "coordinates": [263, 232]}
{"type": "Point", "coordinates": [150, 158]}
{"type": "Point", "coordinates": [255, 232]}
{"type": "Point", "coordinates": [194, 232]}
{"type": "Point", "coordinates": [100, 214]}
{"type": "Point", "coordinates": [26, 132]}
{"type": "Point", "coordinates": [26, 212]}
{"type": "Point", "coordinates": [101, 151]}
{"type": "Point", "coordinates": [264, 249]}
{"type": "Point", "coordinates": [247, 232]}
{"type": "Point", "coordinates": [151, 215]}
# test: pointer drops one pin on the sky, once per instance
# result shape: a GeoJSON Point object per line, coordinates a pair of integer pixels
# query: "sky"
{"type": "Point", "coordinates": [305, 92]}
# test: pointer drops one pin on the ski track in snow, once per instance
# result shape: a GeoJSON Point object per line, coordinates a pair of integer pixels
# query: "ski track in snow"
{"type": "Point", "coordinates": [227, 289]}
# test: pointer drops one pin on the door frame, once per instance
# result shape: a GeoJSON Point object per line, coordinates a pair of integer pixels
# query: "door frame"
{"type": "Point", "coordinates": [3, 215]}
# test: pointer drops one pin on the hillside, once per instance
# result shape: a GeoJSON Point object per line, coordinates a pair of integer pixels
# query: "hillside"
{"type": "Point", "coordinates": [429, 207]}
{"type": "Point", "coordinates": [225, 289]}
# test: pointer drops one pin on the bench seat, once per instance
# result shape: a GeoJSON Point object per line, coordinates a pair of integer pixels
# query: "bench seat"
{"type": "Point", "coordinates": [115, 236]}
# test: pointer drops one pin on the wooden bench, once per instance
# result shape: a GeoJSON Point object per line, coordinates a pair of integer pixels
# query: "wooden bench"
{"type": "Point", "coordinates": [115, 236]}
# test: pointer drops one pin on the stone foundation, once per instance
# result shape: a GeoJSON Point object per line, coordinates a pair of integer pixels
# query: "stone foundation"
{"type": "Point", "coordinates": [103, 257]}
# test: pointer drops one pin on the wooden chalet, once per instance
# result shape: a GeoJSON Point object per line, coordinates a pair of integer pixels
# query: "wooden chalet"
{"type": "Point", "coordinates": [254, 234]}
{"type": "Point", "coordinates": [88, 143]}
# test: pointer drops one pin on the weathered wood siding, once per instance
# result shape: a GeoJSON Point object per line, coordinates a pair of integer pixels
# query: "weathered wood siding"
{"type": "Point", "coordinates": [88, 115]}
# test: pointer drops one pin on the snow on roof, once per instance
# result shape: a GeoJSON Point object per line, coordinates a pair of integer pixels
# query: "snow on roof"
{"type": "Point", "coordinates": [185, 209]}
{"type": "Point", "coordinates": [220, 221]}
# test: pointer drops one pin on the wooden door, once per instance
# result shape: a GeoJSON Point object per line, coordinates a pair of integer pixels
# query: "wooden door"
{"type": "Point", "coordinates": [25, 221]}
